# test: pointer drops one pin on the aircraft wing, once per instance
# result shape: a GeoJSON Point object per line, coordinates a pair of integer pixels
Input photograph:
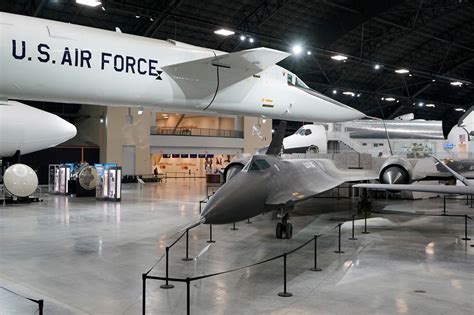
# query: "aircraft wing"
{"type": "Point", "coordinates": [226, 69]}
{"type": "Point", "coordinates": [441, 189]}
{"type": "Point", "coordinates": [307, 185]}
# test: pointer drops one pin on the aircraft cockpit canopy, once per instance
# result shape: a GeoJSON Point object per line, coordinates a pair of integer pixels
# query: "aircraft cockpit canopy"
{"type": "Point", "coordinates": [295, 81]}
{"type": "Point", "coordinates": [303, 132]}
{"type": "Point", "coordinates": [256, 164]}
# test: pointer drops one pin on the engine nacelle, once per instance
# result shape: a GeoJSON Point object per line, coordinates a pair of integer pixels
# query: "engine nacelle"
{"type": "Point", "coordinates": [232, 169]}
{"type": "Point", "coordinates": [235, 166]}
{"type": "Point", "coordinates": [396, 170]}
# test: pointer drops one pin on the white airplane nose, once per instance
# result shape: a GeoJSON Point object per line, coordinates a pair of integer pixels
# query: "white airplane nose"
{"type": "Point", "coordinates": [67, 130]}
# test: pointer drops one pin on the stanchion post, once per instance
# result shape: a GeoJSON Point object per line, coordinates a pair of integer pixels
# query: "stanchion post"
{"type": "Point", "coordinates": [248, 221]}
{"type": "Point", "coordinates": [365, 224]}
{"type": "Point", "coordinates": [339, 251]}
{"type": "Point", "coordinates": [188, 296]}
{"type": "Point", "coordinates": [465, 238]}
{"type": "Point", "coordinates": [40, 307]}
{"type": "Point", "coordinates": [167, 285]}
{"type": "Point", "coordinates": [353, 238]}
{"type": "Point", "coordinates": [315, 268]}
{"type": "Point", "coordinates": [143, 293]}
{"type": "Point", "coordinates": [444, 205]}
{"type": "Point", "coordinates": [210, 234]}
{"type": "Point", "coordinates": [284, 293]}
{"type": "Point", "coordinates": [187, 247]}
{"type": "Point", "coordinates": [233, 227]}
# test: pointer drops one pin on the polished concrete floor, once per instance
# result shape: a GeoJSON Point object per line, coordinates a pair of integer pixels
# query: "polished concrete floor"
{"type": "Point", "coordinates": [83, 256]}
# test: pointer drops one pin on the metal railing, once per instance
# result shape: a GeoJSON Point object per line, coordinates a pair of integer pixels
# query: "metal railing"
{"type": "Point", "coordinates": [196, 132]}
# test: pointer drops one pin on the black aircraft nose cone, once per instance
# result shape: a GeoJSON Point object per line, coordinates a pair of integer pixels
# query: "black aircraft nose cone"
{"type": "Point", "coordinates": [239, 199]}
{"type": "Point", "coordinates": [395, 175]}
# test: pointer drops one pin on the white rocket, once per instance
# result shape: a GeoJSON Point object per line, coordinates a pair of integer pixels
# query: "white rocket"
{"type": "Point", "coordinates": [52, 61]}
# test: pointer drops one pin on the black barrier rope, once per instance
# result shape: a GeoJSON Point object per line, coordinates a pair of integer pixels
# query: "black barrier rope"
{"type": "Point", "coordinates": [157, 262]}
{"type": "Point", "coordinates": [188, 280]}
{"type": "Point", "coordinates": [39, 302]}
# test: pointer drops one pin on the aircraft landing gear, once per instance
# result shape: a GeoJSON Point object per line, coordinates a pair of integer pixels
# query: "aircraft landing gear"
{"type": "Point", "coordinates": [284, 229]}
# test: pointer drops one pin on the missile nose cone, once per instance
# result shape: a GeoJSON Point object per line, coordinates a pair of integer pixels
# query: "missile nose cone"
{"type": "Point", "coordinates": [395, 175]}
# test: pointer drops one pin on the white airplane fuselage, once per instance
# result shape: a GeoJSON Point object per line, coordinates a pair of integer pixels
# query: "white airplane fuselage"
{"type": "Point", "coordinates": [44, 60]}
{"type": "Point", "coordinates": [27, 129]}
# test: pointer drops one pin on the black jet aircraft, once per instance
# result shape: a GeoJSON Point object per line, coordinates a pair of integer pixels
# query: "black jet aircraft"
{"type": "Point", "coordinates": [269, 182]}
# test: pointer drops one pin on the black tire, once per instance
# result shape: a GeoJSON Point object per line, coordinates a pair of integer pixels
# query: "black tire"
{"type": "Point", "coordinates": [312, 149]}
{"type": "Point", "coordinates": [289, 231]}
{"type": "Point", "coordinates": [279, 230]}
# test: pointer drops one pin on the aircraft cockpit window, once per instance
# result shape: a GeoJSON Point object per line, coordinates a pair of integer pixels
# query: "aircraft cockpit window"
{"type": "Point", "coordinates": [307, 132]}
{"type": "Point", "coordinates": [301, 131]}
{"type": "Point", "coordinates": [258, 165]}
{"type": "Point", "coordinates": [290, 79]}
{"type": "Point", "coordinates": [301, 83]}
{"type": "Point", "coordinates": [295, 81]}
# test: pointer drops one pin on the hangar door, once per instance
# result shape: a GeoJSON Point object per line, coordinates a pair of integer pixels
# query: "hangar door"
{"type": "Point", "coordinates": [128, 155]}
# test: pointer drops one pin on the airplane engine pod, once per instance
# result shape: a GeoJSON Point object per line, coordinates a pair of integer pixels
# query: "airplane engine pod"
{"type": "Point", "coordinates": [20, 180]}
{"type": "Point", "coordinates": [396, 170]}
{"type": "Point", "coordinates": [231, 170]}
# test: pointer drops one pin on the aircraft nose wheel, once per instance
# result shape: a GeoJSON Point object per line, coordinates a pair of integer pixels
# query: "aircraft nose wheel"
{"type": "Point", "coordinates": [284, 229]}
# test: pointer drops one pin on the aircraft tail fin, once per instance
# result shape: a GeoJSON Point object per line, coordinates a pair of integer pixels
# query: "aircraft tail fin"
{"type": "Point", "coordinates": [277, 140]}
{"type": "Point", "coordinates": [453, 172]}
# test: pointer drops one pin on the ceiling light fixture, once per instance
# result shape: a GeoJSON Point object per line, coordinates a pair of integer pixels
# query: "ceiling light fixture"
{"type": "Point", "coordinates": [377, 67]}
{"type": "Point", "coordinates": [339, 57]}
{"type": "Point", "coordinates": [456, 83]}
{"type": "Point", "coordinates": [334, 91]}
{"type": "Point", "coordinates": [402, 71]}
{"type": "Point", "coordinates": [430, 105]}
{"type": "Point", "coordinates": [421, 104]}
{"type": "Point", "coordinates": [460, 109]}
{"type": "Point", "coordinates": [297, 49]}
{"type": "Point", "coordinates": [358, 95]}
{"type": "Point", "coordinates": [242, 37]}
{"type": "Point", "coordinates": [251, 40]}
{"type": "Point", "coordinates": [308, 52]}
{"type": "Point", "coordinates": [224, 32]}
{"type": "Point", "coordinates": [349, 93]}
{"type": "Point", "coordinates": [89, 3]}
{"type": "Point", "coordinates": [137, 16]}
{"type": "Point", "coordinates": [101, 119]}
{"type": "Point", "coordinates": [390, 99]}
{"type": "Point", "coordinates": [103, 8]}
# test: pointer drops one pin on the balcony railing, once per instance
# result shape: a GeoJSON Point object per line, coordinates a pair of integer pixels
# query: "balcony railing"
{"type": "Point", "coordinates": [196, 132]}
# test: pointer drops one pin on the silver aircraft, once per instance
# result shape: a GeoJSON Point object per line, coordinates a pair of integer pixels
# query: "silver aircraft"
{"type": "Point", "coordinates": [269, 182]}
{"type": "Point", "coordinates": [466, 189]}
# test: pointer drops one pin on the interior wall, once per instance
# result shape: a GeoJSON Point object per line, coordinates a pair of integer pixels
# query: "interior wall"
{"type": "Point", "coordinates": [252, 142]}
{"type": "Point", "coordinates": [120, 132]}
{"type": "Point", "coordinates": [91, 130]}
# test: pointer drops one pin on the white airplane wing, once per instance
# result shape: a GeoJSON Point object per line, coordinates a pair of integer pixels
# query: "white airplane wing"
{"type": "Point", "coordinates": [225, 69]}
{"type": "Point", "coordinates": [441, 189]}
